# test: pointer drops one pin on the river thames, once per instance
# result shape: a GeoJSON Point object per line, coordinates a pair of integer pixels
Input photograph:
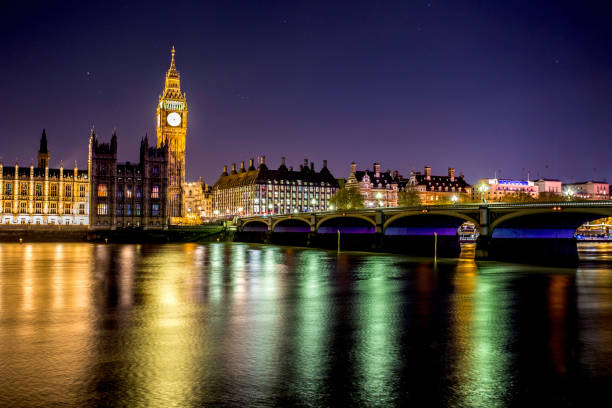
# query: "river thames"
{"type": "Point", "coordinates": [186, 325]}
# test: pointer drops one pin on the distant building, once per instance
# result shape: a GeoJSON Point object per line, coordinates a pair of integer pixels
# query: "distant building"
{"type": "Point", "coordinates": [256, 191]}
{"type": "Point", "coordinates": [126, 194]}
{"type": "Point", "coordinates": [436, 189]}
{"type": "Point", "coordinates": [379, 189]}
{"type": "Point", "coordinates": [550, 186]}
{"type": "Point", "coordinates": [588, 190]}
{"type": "Point", "coordinates": [497, 189]}
{"type": "Point", "coordinates": [198, 201]}
{"type": "Point", "coordinates": [207, 202]}
{"type": "Point", "coordinates": [42, 195]}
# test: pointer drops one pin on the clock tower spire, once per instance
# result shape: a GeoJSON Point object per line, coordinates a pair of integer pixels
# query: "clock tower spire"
{"type": "Point", "coordinates": [172, 129]}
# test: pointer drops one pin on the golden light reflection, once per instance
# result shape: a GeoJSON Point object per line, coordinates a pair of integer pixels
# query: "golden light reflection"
{"type": "Point", "coordinates": [51, 338]}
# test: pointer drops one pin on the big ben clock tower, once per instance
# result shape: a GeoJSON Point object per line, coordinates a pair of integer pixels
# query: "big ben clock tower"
{"type": "Point", "coordinates": [172, 129]}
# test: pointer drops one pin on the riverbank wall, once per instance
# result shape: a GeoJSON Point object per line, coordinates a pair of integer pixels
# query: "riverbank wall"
{"type": "Point", "coordinates": [206, 233]}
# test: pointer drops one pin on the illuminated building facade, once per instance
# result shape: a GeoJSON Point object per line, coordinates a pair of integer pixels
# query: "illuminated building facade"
{"type": "Point", "coordinates": [377, 188]}
{"type": "Point", "coordinates": [172, 130]}
{"type": "Point", "coordinates": [437, 189]}
{"type": "Point", "coordinates": [497, 189]}
{"type": "Point", "coordinates": [198, 201]}
{"type": "Point", "coordinates": [42, 195]}
{"type": "Point", "coordinates": [125, 194]}
{"type": "Point", "coordinates": [550, 186]}
{"type": "Point", "coordinates": [257, 191]}
{"type": "Point", "coordinates": [588, 190]}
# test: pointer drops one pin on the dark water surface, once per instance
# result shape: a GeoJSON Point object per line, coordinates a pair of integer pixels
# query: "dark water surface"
{"type": "Point", "coordinates": [245, 325]}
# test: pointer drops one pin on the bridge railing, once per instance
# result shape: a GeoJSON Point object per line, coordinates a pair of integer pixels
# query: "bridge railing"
{"type": "Point", "coordinates": [441, 207]}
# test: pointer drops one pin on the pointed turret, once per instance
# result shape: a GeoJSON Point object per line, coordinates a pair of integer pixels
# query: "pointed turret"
{"type": "Point", "coordinates": [172, 72]}
{"type": "Point", "coordinates": [172, 89]}
{"type": "Point", "coordinates": [43, 152]}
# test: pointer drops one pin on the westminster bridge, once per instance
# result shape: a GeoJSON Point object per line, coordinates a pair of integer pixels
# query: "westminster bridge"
{"type": "Point", "coordinates": [527, 232]}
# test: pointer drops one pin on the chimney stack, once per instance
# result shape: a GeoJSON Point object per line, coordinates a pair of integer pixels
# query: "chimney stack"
{"type": "Point", "coordinates": [376, 169]}
{"type": "Point", "coordinates": [225, 169]}
{"type": "Point", "coordinates": [451, 173]}
{"type": "Point", "coordinates": [242, 170]}
{"type": "Point", "coordinates": [312, 166]}
{"type": "Point", "coordinates": [427, 172]}
{"type": "Point", "coordinates": [233, 168]}
{"type": "Point", "coordinates": [250, 164]}
{"type": "Point", "coordinates": [306, 163]}
{"type": "Point", "coordinates": [290, 168]}
{"type": "Point", "coordinates": [282, 161]}
{"type": "Point", "coordinates": [395, 174]}
{"type": "Point", "coordinates": [353, 167]}
{"type": "Point", "coordinates": [325, 163]}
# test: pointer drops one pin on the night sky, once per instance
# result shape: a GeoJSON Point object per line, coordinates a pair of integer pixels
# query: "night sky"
{"type": "Point", "coordinates": [477, 85]}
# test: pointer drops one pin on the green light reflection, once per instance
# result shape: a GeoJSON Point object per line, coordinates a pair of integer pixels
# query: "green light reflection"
{"type": "Point", "coordinates": [377, 348]}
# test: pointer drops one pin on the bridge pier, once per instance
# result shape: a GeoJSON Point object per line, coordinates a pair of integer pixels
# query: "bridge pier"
{"type": "Point", "coordinates": [484, 239]}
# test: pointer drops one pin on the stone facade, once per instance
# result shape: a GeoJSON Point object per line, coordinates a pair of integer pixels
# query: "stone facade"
{"type": "Point", "coordinates": [172, 131]}
{"type": "Point", "coordinates": [437, 189]}
{"type": "Point", "coordinates": [379, 189]}
{"type": "Point", "coordinates": [127, 195]}
{"type": "Point", "coordinates": [262, 191]}
{"type": "Point", "coordinates": [43, 196]}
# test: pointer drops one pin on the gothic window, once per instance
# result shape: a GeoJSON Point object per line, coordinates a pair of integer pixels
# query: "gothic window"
{"type": "Point", "coordinates": [102, 190]}
{"type": "Point", "coordinates": [8, 188]}
{"type": "Point", "coordinates": [38, 190]}
{"type": "Point", "coordinates": [23, 189]}
{"type": "Point", "coordinates": [120, 190]}
{"type": "Point", "coordinates": [53, 208]}
{"type": "Point", "coordinates": [82, 190]}
{"type": "Point", "coordinates": [155, 210]}
{"type": "Point", "coordinates": [7, 207]}
{"type": "Point", "coordinates": [38, 208]}
{"type": "Point", "coordinates": [67, 208]}
{"type": "Point", "coordinates": [138, 209]}
{"type": "Point", "coordinates": [68, 191]}
{"type": "Point", "coordinates": [82, 209]}
{"type": "Point", "coordinates": [155, 191]}
{"type": "Point", "coordinates": [128, 191]}
{"type": "Point", "coordinates": [23, 208]}
{"type": "Point", "coordinates": [119, 209]}
{"type": "Point", "coordinates": [53, 192]}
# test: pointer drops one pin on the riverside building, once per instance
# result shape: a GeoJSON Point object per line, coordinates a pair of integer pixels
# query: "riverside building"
{"type": "Point", "coordinates": [42, 195]}
{"type": "Point", "coordinates": [263, 191]}
{"type": "Point", "coordinates": [497, 189]}
{"type": "Point", "coordinates": [437, 189]}
{"type": "Point", "coordinates": [379, 189]}
{"type": "Point", "coordinates": [127, 194]}
{"type": "Point", "coordinates": [588, 190]}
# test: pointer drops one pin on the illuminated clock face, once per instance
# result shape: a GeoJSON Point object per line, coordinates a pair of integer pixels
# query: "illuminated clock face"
{"type": "Point", "coordinates": [174, 119]}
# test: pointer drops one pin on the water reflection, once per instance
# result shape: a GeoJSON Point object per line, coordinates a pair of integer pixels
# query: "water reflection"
{"type": "Point", "coordinates": [253, 325]}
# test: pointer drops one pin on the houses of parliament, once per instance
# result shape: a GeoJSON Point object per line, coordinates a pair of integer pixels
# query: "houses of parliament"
{"type": "Point", "coordinates": [148, 192]}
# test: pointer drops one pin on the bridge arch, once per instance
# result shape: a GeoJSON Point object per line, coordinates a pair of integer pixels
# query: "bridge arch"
{"type": "Point", "coordinates": [352, 223]}
{"type": "Point", "coordinates": [444, 216]}
{"type": "Point", "coordinates": [291, 224]}
{"type": "Point", "coordinates": [254, 225]}
{"type": "Point", "coordinates": [551, 222]}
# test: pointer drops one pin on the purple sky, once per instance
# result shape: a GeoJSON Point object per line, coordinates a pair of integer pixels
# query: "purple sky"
{"type": "Point", "coordinates": [516, 85]}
